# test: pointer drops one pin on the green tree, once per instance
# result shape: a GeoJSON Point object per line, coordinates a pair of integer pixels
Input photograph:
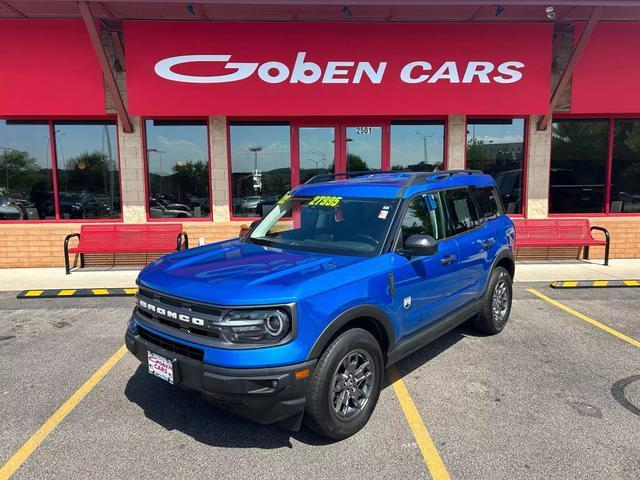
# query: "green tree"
{"type": "Point", "coordinates": [191, 177]}
{"type": "Point", "coordinates": [18, 171]}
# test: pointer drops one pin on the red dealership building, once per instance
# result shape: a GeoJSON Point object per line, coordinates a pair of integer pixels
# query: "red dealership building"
{"type": "Point", "coordinates": [205, 113]}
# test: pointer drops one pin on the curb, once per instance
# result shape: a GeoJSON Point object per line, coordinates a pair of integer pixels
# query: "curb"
{"type": "Point", "coordinates": [595, 284]}
{"type": "Point", "coordinates": [78, 293]}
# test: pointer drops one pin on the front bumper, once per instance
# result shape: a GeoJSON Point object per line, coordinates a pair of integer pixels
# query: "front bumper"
{"type": "Point", "coordinates": [264, 395]}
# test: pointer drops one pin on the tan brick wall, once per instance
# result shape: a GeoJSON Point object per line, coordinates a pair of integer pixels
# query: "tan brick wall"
{"type": "Point", "coordinates": [456, 141]}
{"type": "Point", "coordinates": [538, 164]}
{"type": "Point", "coordinates": [41, 245]}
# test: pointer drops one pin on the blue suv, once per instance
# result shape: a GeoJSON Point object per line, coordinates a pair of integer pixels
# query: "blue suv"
{"type": "Point", "coordinates": [344, 276]}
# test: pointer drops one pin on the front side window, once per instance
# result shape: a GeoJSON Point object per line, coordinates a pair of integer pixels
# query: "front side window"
{"type": "Point", "coordinates": [417, 146]}
{"type": "Point", "coordinates": [26, 185]}
{"type": "Point", "coordinates": [424, 216]}
{"type": "Point", "coordinates": [328, 224]}
{"type": "Point", "coordinates": [462, 214]}
{"type": "Point", "coordinates": [579, 150]}
{"type": "Point", "coordinates": [178, 169]}
{"type": "Point", "coordinates": [625, 172]}
{"type": "Point", "coordinates": [260, 166]}
{"type": "Point", "coordinates": [87, 169]}
{"type": "Point", "coordinates": [496, 147]}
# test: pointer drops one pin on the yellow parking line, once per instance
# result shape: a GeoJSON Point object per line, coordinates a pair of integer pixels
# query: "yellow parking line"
{"type": "Point", "coordinates": [429, 451]}
{"type": "Point", "coordinates": [130, 291]}
{"type": "Point", "coordinates": [590, 320]}
{"type": "Point", "coordinates": [18, 458]}
{"type": "Point", "coordinates": [100, 291]}
{"type": "Point", "coordinates": [631, 283]}
{"type": "Point", "coordinates": [33, 293]}
{"type": "Point", "coordinates": [66, 293]}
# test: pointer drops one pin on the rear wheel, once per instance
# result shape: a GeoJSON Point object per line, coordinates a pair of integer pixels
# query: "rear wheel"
{"type": "Point", "coordinates": [496, 304]}
{"type": "Point", "coordinates": [345, 385]}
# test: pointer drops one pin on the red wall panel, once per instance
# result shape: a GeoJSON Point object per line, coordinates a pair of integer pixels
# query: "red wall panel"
{"type": "Point", "coordinates": [48, 67]}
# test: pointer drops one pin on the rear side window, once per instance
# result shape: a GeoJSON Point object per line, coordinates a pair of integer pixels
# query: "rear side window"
{"type": "Point", "coordinates": [488, 203]}
{"type": "Point", "coordinates": [424, 216]}
{"type": "Point", "coordinates": [461, 210]}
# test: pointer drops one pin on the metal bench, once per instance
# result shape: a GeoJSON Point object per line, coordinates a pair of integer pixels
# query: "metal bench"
{"type": "Point", "coordinates": [147, 238]}
{"type": "Point", "coordinates": [560, 233]}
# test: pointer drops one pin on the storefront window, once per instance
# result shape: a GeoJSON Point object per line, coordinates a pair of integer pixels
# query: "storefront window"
{"type": "Point", "coordinates": [317, 151]}
{"type": "Point", "coordinates": [625, 173]}
{"type": "Point", "coordinates": [26, 187]}
{"type": "Point", "coordinates": [579, 151]}
{"type": "Point", "coordinates": [364, 148]}
{"type": "Point", "coordinates": [87, 170]}
{"type": "Point", "coordinates": [178, 169]}
{"type": "Point", "coordinates": [260, 166]}
{"type": "Point", "coordinates": [417, 146]}
{"type": "Point", "coordinates": [496, 146]}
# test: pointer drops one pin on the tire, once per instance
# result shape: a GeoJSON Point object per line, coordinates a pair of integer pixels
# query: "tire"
{"type": "Point", "coordinates": [499, 291]}
{"type": "Point", "coordinates": [361, 395]}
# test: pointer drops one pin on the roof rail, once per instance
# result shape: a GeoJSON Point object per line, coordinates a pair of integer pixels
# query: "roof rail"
{"type": "Point", "coordinates": [414, 177]}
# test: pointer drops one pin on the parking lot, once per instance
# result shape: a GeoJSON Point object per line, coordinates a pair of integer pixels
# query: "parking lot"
{"type": "Point", "coordinates": [552, 396]}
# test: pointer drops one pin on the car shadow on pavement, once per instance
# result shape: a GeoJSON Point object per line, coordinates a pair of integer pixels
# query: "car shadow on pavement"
{"type": "Point", "coordinates": [183, 410]}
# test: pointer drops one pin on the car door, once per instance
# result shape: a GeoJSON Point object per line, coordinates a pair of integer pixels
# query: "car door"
{"type": "Point", "coordinates": [423, 285]}
{"type": "Point", "coordinates": [476, 242]}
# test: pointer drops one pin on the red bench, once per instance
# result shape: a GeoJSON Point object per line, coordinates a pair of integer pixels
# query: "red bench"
{"type": "Point", "coordinates": [147, 238]}
{"type": "Point", "coordinates": [560, 233]}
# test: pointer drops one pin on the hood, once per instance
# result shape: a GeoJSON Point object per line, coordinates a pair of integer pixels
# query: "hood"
{"type": "Point", "coordinates": [239, 273]}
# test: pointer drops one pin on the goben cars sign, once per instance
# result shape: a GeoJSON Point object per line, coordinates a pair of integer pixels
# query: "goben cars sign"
{"type": "Point", "coordinates": [261, 69]}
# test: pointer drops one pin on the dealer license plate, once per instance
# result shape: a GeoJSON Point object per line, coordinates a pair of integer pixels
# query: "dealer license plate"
{"type": "Point", "coordinates": [160, 366]}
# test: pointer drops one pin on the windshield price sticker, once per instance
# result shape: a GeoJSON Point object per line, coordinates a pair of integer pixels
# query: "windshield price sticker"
{"type": "Point", "coordinates": [284, 198]}
{"type": "Point", "coordinates": [325, 201]}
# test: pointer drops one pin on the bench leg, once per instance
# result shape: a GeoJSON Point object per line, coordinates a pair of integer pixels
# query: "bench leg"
{"type": "Point", "coordinates": [606, 253]}
{"type": "Point", "coordinates": [67, 268]}
{"type": "Point", "coordinates": [82, 260]}
{"type": "Point", "coordinates": [586, 252]}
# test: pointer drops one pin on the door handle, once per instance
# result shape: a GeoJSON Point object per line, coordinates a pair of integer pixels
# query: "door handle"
{"type": "Point", "coordinates": [447, 260]}
{"type": "Point", "coordinates": [487, 244]}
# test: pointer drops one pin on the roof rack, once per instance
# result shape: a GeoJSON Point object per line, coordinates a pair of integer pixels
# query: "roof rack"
{"type": "Point", "coordinates": [414, 177]}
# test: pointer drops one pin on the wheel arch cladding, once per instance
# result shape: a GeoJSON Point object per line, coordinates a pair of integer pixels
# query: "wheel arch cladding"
{"type": "Point", "coordinates": [368, 317]}
{"type": "Point", "coordinates": [506, 261]}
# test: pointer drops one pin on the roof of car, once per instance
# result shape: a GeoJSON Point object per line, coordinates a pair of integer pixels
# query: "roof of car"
{"type": "Point", "coordinates": [390, 184]}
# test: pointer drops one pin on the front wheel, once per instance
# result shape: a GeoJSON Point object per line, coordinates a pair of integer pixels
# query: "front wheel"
{"type": "Point", "coordinates": [496, 303]}
{"type": "Point", "coordinates": [345, 385]}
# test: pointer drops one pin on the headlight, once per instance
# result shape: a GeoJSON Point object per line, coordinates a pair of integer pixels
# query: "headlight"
{"type": "Point", "coordinates": [255, 326]}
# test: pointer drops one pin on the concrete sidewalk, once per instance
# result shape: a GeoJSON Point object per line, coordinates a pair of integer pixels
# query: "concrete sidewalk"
{"type": "Point", "coordinates": [16, 279]}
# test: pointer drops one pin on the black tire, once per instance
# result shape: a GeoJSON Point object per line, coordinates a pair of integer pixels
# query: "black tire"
{"type": "Point", "coordinates": [321, 415]}
{"type": "Point", "coordinates": [487, 321]}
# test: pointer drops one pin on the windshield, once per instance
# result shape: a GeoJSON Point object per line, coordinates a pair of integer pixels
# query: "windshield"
{"type": "Point", "coordinates": [327, 224]}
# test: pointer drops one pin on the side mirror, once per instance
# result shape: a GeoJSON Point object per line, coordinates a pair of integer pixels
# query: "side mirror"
{"type": "Point", "coordinates": [420, 245]}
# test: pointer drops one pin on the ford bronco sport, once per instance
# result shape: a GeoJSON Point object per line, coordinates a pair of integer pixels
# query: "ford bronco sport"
{"type": "Point", "coordinates": [345, 276]}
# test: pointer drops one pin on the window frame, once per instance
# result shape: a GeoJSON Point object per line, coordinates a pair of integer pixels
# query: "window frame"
{"type": "Point", "coordinates": [525, 153]}
{"type": "Point", "coordinates": [54, 166]}
{"type": "Point", "coordinates": [145, 167]}
{"type": "Point", "coordinates": [611, 118]}
{"type": "Point", "coordinates": [339, 123]}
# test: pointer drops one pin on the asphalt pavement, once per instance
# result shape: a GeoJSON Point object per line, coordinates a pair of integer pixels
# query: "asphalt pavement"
{"type": "Point", "coordinates": [551, 396]}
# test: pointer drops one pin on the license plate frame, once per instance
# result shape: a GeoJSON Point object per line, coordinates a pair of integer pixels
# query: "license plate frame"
{"type": "Point", "coordinates": [162, 367]}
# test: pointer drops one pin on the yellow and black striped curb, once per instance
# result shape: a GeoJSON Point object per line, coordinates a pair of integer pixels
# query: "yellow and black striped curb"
{"type": "Point", "coordinates": [78, 293]}
{"type": "Point", "coordinates": [595, 284]}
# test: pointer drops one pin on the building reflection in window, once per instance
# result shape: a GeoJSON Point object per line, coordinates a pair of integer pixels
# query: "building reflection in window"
{"type": "Point", "coordinates": [625, 173]}
{"type": "Point", "coordinates": [417, 146]}
{"type": "Point", "coordinates": [87, 169]}
{"type": "Point", "coordinates": [178, 169]}
{"type": "Point", "coordinates": [579, 150]}
{"type": "Point", "coordinates": [496, 147]}
{"type": "Point", "coordinates": [26, 186]}
{"type": "Point", "coordinates": [260, 166]}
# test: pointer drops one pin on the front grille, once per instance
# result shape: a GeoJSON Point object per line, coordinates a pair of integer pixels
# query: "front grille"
{"type": "Point", "coordinates": [179, 348]}
{"type": "Point", "coordinates": [210, 315]}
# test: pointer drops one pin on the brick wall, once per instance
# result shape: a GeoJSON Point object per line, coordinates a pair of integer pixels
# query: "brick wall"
{"type": "Point", "coordinates": [40, 245]}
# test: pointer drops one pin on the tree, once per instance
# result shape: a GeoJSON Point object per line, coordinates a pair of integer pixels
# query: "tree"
{"type": "Point", "coordinates": [191, 177]}
{"type": "Point", "coordinates": [18, 171]}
